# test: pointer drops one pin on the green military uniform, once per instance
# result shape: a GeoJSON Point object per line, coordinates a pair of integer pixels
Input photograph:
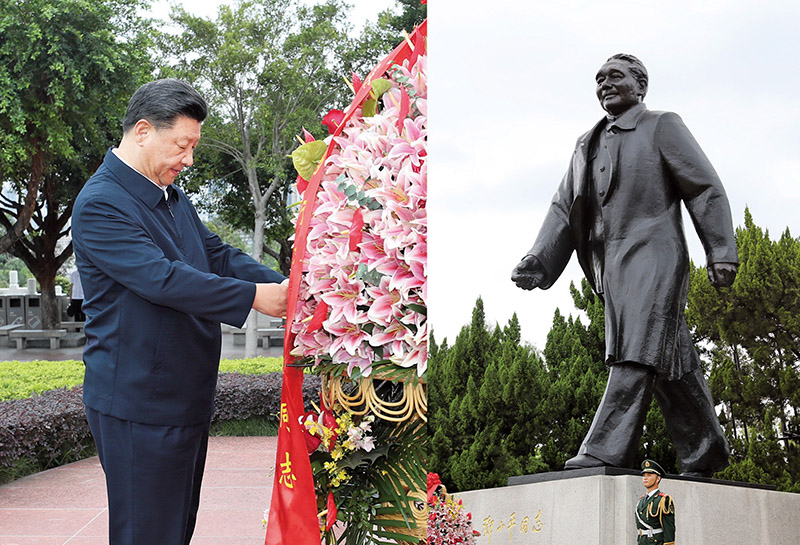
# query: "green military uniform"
{"type": "Point", "coordinates": [655, 513]}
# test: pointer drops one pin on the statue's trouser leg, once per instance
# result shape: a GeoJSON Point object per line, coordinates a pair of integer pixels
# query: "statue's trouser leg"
{"type": "Point", "coordinates": [617, 425]}
{"type": "Point", "coordinates": [688, 410]}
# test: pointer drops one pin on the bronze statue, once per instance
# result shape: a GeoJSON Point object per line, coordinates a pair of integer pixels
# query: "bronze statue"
{"type": "Point", "coordinates": [619, 208]}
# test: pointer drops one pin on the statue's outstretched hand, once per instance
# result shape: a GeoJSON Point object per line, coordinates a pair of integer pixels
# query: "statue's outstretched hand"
{"type": "Point", "coordinates": [529, 273]}
{"type": "Point", "coordinates": [722, 275]}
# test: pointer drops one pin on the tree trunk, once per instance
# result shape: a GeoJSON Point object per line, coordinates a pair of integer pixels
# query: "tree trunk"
{"type": "Point", "coordinates": [51, 312]}
{"type": "Point", "coordinates": [251, 341]}
{"type": "Point", "coordinates": [15, 232]}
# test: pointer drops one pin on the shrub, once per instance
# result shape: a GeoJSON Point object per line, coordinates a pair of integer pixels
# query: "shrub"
{"type": "Point", "coordinates": [43, 428]}
{"type": "Point", "coordinates": [49, 429]}
{"type": "Point", "coordinates": [245, 396]}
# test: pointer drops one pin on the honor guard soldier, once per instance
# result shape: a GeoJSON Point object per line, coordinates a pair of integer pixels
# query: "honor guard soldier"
{"type": "Point", "coordinates": [655, 512]}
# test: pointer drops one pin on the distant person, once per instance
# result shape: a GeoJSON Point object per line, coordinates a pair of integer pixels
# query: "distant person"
{"type": "Point", "coordinates": [157, 285]}
{"type": "Point", "coordinates": [655, 511]}
{"type": "Point", "coordinates": [619, 209]}
{"type": "Point", "coordinates": [75, 297]}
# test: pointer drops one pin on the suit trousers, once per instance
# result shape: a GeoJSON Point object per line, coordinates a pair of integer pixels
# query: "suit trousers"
{"type": "Point", "coordinates": [688, 411]}
{"type": "Point", "coordinates": [153, 477]}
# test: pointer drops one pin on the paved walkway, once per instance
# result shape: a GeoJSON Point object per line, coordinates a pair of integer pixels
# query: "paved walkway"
{"type": "Point", "coordinates": [67, 505]}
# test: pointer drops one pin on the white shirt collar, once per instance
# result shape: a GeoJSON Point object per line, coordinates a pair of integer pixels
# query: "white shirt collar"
{"type": "Point", "coordinates": [158, 185]}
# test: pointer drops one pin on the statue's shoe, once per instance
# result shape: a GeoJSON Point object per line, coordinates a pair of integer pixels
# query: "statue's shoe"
{"type": "Point", "coordinates": [584, 461]}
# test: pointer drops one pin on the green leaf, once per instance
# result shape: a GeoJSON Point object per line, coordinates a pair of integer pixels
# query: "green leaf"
{"type": "Point", "coordinates": [306, 157]}
{"type": "Point", "coordinates": [369, 107]}
{"type": "Point", "coordinates": [380, 86]}
{"type": "Point", "coordinates": [357, 458]}
{"type": "Point", "coordinates": [418, 308]}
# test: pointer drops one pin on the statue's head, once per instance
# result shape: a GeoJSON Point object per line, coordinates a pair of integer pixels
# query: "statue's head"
{"type": "Point", "coordinates": [621, 83]}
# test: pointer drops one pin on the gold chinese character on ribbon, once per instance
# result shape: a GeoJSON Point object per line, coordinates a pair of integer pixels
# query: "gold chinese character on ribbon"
{"type": "Point", "coordinates": [287, 478]}
{"type": "Point", "coordinates": [285, 415]}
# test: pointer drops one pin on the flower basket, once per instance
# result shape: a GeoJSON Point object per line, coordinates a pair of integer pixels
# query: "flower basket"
{"type": "Point", "coordinates": [448, 522]}
{"type": "Point", "coordinates": [362, 397]}
{"type": "Point", "coordinates": [359, 317]}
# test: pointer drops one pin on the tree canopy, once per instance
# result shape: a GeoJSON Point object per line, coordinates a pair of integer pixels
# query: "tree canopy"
{"type": "Point", "coordinates": [67, 69]}
{"type": "Point", "coordinates": [749, 336]}
{"type": "Point", "coordinates": [268, 68]}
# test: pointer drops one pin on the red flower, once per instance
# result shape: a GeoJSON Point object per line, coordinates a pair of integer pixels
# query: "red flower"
{"type": "Point", "coordinates": [356, 230]}
{"type": "Point", "coordinates": [433, 483]}
{"type": "Point", "coordinates": [356, 82]}
{"type": "Point", "coordinates": [405, 106]}
{"type": "Point", "coordinates": [333, 119]}
{"type": "Point", "coordinates": [330, 518]}
{"type": "Point", "coordinates": [303, 184]}
{"type": "Point", "coordinates": [312, 441]}
{"type": "Point", "coordinates": [433, 480]}
{"type": "Point", "coordinates": [329, 421]}
{"type": "Point", "coordinates": [320, 313]}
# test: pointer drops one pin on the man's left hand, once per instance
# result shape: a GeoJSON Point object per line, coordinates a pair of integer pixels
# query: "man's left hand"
{"type": "Point", "coordinates": [722, 275]}
{"type": "Point", "coordinates": [270, 299]}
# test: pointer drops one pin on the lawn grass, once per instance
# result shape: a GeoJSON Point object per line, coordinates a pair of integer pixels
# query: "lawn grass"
{"type": "Point", "coordinates": [21, 379]}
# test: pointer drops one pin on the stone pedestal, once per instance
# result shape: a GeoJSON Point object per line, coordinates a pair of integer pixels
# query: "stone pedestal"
{"type": "Point", "coordinates": [596, 507]}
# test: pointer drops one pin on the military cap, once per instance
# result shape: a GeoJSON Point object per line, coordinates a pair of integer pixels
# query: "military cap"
{"type": "Point", "coordinates": [649, 466]}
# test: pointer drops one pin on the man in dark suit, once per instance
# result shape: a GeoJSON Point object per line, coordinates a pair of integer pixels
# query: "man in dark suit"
{"type": "Point", "coordinates": [619, 208]}
{"type": "Point", "coordinates": [157, 284]}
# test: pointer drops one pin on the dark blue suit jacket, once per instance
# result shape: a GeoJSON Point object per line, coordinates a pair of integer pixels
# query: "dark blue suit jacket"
{"type": "Point", "coordinates": [157, 285]}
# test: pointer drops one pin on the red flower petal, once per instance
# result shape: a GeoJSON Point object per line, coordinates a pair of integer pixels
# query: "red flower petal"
{"type": "Point", "coordinates": [356, 82]}
{"type": "Point", "coordinates": [332, 120]}
{"type": "Point", "coordinates": [302, 184]}
{"type": "Point", "coordinates": [320, 313]}
{"type": "Point", "coordinates": [308, 136]}
{"type": "Point", "coordinates": [329, 421]}
{"type": "Point", "coordinates": [330, 518]}
{"type": "Point", "coordinates": [419, 48]}
{"type": "Point", "coordinates": [356, 230]}
{"type": "Point", "coordinates": [312, 441]}
{"type": "Point", "coordinates": [405, 106]}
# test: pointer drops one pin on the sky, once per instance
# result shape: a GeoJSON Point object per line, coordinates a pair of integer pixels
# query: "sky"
{"type": "Point", "coordinates": [512, 87]}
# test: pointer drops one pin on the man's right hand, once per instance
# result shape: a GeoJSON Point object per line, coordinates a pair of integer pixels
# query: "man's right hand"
{"type": "Point", "coordinates": [271, 299]}
{"type": "Point", "coordinates": [529, 273]}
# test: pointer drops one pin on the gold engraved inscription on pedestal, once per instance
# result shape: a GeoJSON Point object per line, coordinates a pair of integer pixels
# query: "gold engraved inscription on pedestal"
{"type": "Point", "coordinates": [527, 525]}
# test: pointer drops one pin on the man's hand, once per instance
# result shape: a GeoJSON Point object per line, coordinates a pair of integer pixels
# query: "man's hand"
{"type": "Point", "coordinates": [722, 275]}
{"type": "Point", "coordinates": [271, 299]}
{"type": "Point", "coordinates": [529, 273]}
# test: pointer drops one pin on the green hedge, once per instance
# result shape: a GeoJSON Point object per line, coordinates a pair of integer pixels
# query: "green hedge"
{"type": "Point", "coordinates": [21, 379]}
{"type": "Point", "coordinates": [49, 429]}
